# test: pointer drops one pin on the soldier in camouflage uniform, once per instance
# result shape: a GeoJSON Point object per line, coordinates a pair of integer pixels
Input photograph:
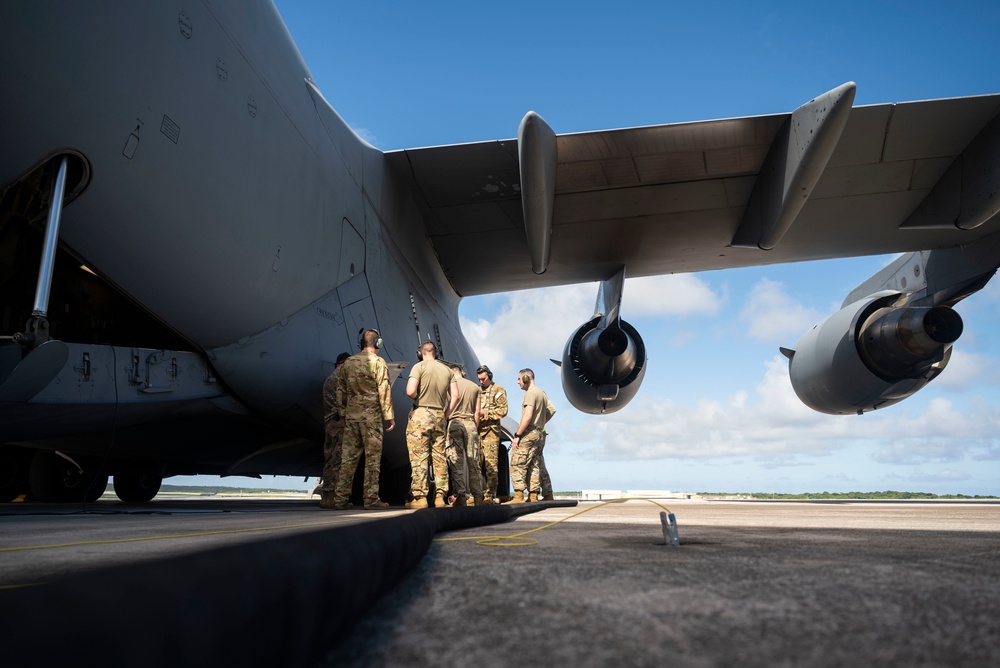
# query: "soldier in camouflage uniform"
{"type": "Point", "coordinates": [333, 428]}
{"type": "Point", "coordinates": [462, 445]}
{"type": "Point", "coordinates": [530, 437]}
{"type": "Point", "coordinates": [539, 474]}
{"type": "Point", "coordinates": [365, 401]}
{"type": "Point", "coordinates": [435, 394]}
{"type": "Point", "coordinates": [493, 406]}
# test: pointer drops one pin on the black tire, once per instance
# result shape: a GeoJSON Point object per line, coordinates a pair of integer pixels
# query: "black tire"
{"type": "Point", "coordinates": [14, 465]}
{"type": "Point", "coordinates": [54, 479]}
{"type": "Point", "coordinates": [137, 486]}
{"type": "Point", "coordinates": [96, 489]}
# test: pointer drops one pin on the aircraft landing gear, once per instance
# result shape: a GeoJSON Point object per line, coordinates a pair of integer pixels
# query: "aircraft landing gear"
{"type": "Point", "coordinates": [137, 486]}
{"type": "Point", "coordinates": [53, 478]}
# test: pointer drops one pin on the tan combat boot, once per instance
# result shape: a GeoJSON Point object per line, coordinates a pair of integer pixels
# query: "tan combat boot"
{"type": "Point", "coordinates": [532, 496]}
{"type": "Point", "coordinates": [377, 504]}
{"type": "Point", "coordinates": [326, 500]}
{"type": "Point", "coordinates": [439, 500]}
{"type": "Point", "coordinates": [419, 502]}
{"type": "Point", "coordinates": [487, 500]}
{"type": "Point", "coordinates": [518, 497]}
{"type": "Point", "coordinates": [477, 500]}
{"type": "Point", "coordinates": [460, 501]}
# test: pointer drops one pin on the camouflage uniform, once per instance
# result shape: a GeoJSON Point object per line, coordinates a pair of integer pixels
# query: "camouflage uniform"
{"type": "Point", "coordinates": [333, 427]}
{"type": "Point", "coordinates": [463, 443]}
{"type": "Point", "coordinates": [425, 427]}
{"type": "Point", "coordinates": [524, 461]}
{"type": "Point", "coordinates": [493, 406]}
{"type": "Point", "coordinates": [539, 474]}
{"type": "Point", "coordinates": [364, 399]}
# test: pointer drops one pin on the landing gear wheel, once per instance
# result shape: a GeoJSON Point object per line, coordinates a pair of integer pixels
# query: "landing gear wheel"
{"type": "Point", "coordinates": [55, 479]}
{"type": "Point", "coordinates": [137, 486]}
{"type": "Point", "coordinates": [14, 465]}
{"type": "Point", "coordinates": [96, 488]}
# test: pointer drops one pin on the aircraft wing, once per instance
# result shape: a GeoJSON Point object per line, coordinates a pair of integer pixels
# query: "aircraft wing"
{"type": "Point", "coordinates": [671, 198]}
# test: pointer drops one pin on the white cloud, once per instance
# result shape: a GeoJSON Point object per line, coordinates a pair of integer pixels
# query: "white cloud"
{"type": "Point", "coordinates": [944, 475]}
{"type": "Point", "coordinates": [531, 323]}
{"type": "Point", "coordinates": [674, 295]}
{"type": "Point", "coordinates": [965, 369]}
{"type": "Point", "coordinates": [768, 423]}
{"type": "Point", "coordinates": [917, 451]}
{"type": "Point", "coordinates": [771, 315]}
{"type": "Point", "coordinates": [772, 427]}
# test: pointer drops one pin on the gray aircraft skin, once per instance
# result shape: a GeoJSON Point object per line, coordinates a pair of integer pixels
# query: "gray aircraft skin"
{"type": "Point", "coordinates": [240, 234]}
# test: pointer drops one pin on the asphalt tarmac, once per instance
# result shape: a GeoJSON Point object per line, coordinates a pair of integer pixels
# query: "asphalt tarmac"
{"type": "Point", "coordinates": [752, 583]}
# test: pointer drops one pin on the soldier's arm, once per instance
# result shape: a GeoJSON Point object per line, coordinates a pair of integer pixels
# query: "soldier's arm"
{"type": "Point", "coordinates": [478, 412]}
{"type": "Point", "coordinates": [329, 398]}
{"type": "Point", "coordinates": [412, 385]}
{"type": "Point", "coordinates": [523, 427]}
{"type": "Point", "coordinates": [490, 406]}
{"type": "Point", "coordinates": [340, 396]}
{"type": "Point", "coordinates": [452, 399]}
{"type": "Point", "coordinates": [384, 391]}
{"type": "Point", "coordinates": [484, 412]}
{"type": "Point", "coordinates": [501, 405]}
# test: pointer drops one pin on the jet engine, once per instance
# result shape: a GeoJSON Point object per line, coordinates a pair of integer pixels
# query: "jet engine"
{"type": "Point", "coordinates": [872, 353]}
{"type": "Point", "coordinates": [603, 366]}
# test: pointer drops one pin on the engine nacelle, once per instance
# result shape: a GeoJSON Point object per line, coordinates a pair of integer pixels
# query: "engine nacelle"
{"type": "Point", "coordinates": [872, 354]}
{"type": "Point", "coordinates": [602, 368]}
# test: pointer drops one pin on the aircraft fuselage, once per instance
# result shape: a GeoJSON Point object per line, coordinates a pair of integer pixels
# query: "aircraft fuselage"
{"type": "Point", "coordinates": [225, 196]}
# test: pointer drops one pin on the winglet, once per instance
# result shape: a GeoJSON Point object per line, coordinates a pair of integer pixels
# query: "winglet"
{"type": "Point", "coordinates": [787, 352]}
{"type": "Point", "coordinates": [796, 160]}
{"type": "Point", "coordinates": [536, 155]}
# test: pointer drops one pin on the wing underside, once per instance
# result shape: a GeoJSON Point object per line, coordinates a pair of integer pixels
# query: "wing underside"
{"type": "Point", "coordinates": [671, 198]}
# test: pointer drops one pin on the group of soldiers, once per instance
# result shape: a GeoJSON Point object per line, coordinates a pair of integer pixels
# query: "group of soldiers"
{"type": "Point", "coordinates": [453, 428]}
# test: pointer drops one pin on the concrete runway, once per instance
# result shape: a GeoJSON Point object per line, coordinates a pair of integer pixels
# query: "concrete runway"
{"type": "Point", "coordinates": [753, 583]}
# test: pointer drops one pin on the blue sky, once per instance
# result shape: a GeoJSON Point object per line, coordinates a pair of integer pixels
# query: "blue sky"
{"type": "Point", "coordinates": [716, 411]}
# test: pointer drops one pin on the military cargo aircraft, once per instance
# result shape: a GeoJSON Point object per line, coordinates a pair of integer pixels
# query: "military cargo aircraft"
{"type": "Point", "coordinates": [190, 234]}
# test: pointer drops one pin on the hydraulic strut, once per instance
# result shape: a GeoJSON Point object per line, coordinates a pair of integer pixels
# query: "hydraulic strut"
{"type": "Point", "coordinates": [37, 329]}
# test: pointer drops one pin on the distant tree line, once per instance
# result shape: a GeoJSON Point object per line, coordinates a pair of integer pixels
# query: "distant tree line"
{"type": "Point", "coordinates": [886, 495]}
{"type": "Point", "coordinates": [209, 490]}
